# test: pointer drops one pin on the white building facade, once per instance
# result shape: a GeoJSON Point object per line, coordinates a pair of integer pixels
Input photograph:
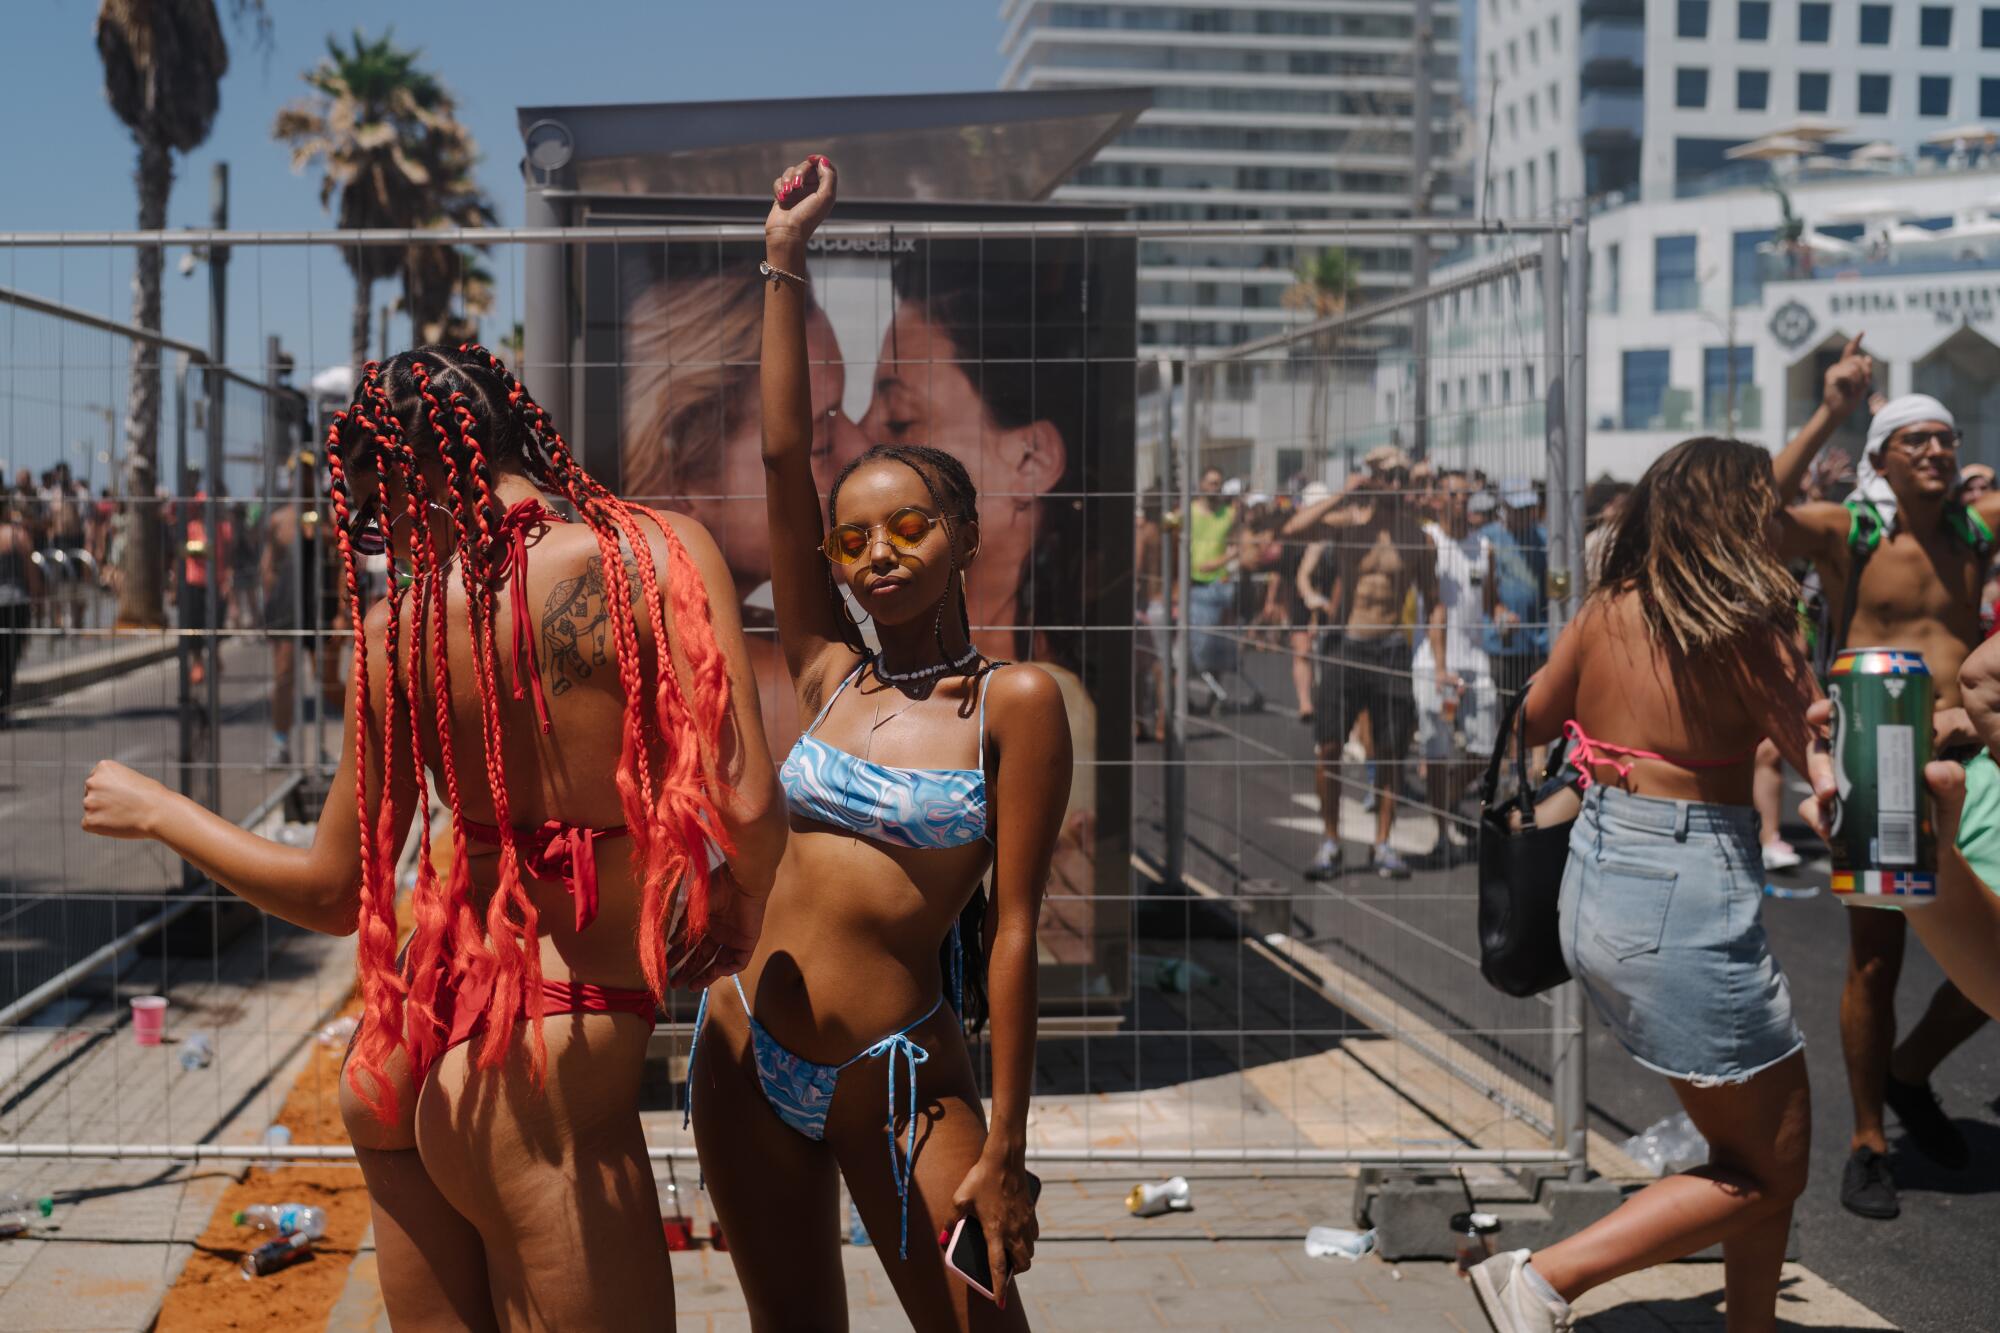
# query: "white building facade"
{"type": "Point", "coordinates": [1721, 285]}
{"type": "Point", "coordinates": [1295, 110]}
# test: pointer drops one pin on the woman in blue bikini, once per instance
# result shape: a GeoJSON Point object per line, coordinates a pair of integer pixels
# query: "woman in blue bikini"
{"type": "Point", "coordinates": [926, 766]}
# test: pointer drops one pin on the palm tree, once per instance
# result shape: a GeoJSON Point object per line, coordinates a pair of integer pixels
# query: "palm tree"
{"type": "Point", "coordinates": [384, 132]}
{"type": "Point", "coordinates": [1321, 288]}
{"type": "Point", "coordinates": [163, 67]}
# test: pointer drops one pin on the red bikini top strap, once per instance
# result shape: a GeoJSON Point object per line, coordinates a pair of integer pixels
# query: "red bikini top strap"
{"type": "Point", "coordinates": [558, 851]}
{"type": "Point", "coordinates": [1588, 751]}
{"type": "Point", "coordinates": [521, 519]}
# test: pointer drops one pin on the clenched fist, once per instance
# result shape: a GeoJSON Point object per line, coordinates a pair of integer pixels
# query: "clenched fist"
{"type": "Point", "coordinates": [119, 803]}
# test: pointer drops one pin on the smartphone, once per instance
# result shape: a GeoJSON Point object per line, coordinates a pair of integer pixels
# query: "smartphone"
{"type": "Point", "coordinates": [965, 1247]}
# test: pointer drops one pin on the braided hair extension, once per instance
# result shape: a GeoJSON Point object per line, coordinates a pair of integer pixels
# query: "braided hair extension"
{"type": "Point", "coordinates": [447, 913]}
{"type": "Point", "coordinates": [375, 955]}
{"type": "Point", "coordinates": [462, 405]}
{"type": "Point", "coordinates": [696, 707]}
{"type": "Point", "coordinates": [952, 492]}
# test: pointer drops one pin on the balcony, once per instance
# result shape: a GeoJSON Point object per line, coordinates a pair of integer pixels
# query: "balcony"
{"type": "Point", "coordinates": [1612, 52]}
{"type": "Point", "coordinates": [1611, 115]}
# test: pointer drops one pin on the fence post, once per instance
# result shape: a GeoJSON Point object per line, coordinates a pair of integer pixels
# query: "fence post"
{"type": "Point", "coordinates": [1568, 1108]}
{"type": "Point", "coordinates": [1174, 792]}
{"type": "Point", "coordinates": [1182, 652]}
{"type": "Point", "coordinates": [211, 519]}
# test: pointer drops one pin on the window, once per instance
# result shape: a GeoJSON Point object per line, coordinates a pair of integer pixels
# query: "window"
{"type": "Point", "coordinates": [1753, 89]}
{"type": "Point", "coordinates": [1533, 193]}
{"type": "Point", "coordinates": [1506, 385]}
{"type": "Point", "coordinates": [1746, 267]}
{"type": "Point", "coordinates": [1534, 46]}
{"type": "Point", "coordinates": [1875, 25]}
{"type": "Point", "coordinates": [1724, 369]}
{"type": "Point", "coordinates": [1874, 98]}
{"type": "Point", "coordinates": [1555, 35]}
{"type": "Point", "coordinates": [1693, 18]}
{"type": "Point", "coordinates": [1554, 178]}
{"type": "Point", "coordinates": [1989, 99]}
{"type": "Point", "coordinates": [1753, 20]}
{"type": "Point", "coordinates": [1813, 89]}
{"type": "Point", "coordinates": [1645, 386]}
{"type": "Point", "coordinates": [1934, 26]}
{"type": "Point", "coordinates": [1612, 254]}
{"type": "Point", "coordinates": [1989, 28]}
{"type": "Point", "coordinates": [1675, 286]}
{"type": "Point", "coordinates": [1528, 379]}
{"type": "Point", "coordinates": [1934, 95]}
{"type": "Point", "coordinates": [1815, 22]}
{"type": "Point", "coordinates": [1691, 88]}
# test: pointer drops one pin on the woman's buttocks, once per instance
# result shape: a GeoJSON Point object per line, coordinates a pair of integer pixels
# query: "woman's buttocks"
{"type": "Point", "coordinates": [1661, 922]}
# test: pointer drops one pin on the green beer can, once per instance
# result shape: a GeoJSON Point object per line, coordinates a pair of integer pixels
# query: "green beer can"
{"type": "Point", "coordinates": [1884, 847]}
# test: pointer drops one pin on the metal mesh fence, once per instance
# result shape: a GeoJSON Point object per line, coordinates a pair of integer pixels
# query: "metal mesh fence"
{"type": "Point", "coordinates": [1203, 998]}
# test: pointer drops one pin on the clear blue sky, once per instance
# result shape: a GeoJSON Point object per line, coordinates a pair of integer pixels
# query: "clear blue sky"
{"type": "Point", "coordinates": [69, 161]}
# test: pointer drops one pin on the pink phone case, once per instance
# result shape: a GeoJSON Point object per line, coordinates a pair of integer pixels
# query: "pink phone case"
{"type": "Point", "coordinates": [950, 1242]}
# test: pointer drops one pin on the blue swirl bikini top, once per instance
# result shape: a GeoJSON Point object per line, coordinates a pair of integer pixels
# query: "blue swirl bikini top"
{"type": "Point", "coordinates": [922, 809]}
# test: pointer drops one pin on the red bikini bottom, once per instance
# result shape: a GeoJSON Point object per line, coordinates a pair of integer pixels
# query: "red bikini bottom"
{"type": "Point", "coordinates": [462, 1011]}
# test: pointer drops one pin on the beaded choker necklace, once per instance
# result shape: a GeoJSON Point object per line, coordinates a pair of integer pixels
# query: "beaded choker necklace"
{"type": "Point", "coordinates": [969, 656]}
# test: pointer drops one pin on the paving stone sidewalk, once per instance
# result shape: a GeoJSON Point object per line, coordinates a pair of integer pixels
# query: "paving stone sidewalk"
{"type": "Point", "coordinates": [1236, 1263]}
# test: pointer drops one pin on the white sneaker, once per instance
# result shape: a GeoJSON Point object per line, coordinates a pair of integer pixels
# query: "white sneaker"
{"type": "Point", "coordinates": [1781, 855]}
{"type": "Point", "coordinates": [1509, 1303]}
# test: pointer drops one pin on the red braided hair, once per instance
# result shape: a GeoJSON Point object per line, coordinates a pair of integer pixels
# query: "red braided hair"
{"type": "Point", "coordinates": [684, 799]}
{"type": "Point", "coordinates": [668, 777]}
{"type": "Point", "coordinates": [382, 987]}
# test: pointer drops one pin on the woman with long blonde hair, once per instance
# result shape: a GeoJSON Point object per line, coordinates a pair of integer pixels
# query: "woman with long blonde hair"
{"type": "Point", "coordinates": [1685, 655]}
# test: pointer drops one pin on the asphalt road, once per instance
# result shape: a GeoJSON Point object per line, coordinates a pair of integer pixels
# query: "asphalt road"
{"type": "Point", "coordinates": [64, 892]}
{"type": "Point", "coordinates": [1252, 814]}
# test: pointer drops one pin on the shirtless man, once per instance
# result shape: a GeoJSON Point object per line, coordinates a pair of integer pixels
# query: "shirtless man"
{"type": "Point", "coordinates": [1918, 591]}
{"type": "Point", "coordinates": [298, 580]}
{"type": "Point", "coordinates": [1375, 538]}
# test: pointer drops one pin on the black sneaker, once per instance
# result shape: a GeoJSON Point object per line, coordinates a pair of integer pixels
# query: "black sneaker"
{"type": "Point", "coordinates": [1867, 1189]}
{"type": "Point", "coordinates": [1930, 1129]}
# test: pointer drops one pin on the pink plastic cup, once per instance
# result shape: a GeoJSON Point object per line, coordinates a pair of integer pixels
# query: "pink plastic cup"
{"type": "Point", "coordinates": [149, 1018]}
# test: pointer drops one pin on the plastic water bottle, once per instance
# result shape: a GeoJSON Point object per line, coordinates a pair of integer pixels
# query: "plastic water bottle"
{"type": "Point", "coordinates": [277, 1136]}
{"type": "Point", "coordinates": [286, 1219]}
{"type": "Point", "coordinates": [197, 1052]}
{"type": "Point", "coordinates": [19, 1213]}
{"type": "Point", "coordinates": [1334, 1243]}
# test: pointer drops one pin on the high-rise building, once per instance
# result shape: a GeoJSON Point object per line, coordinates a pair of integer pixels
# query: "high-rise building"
{"type": "Point", "coordinates": [1765, 180]}
{"type": "Point", "coordinates": [1591, 98]}
{"type": "Point", "coordinates": [1286, 110]}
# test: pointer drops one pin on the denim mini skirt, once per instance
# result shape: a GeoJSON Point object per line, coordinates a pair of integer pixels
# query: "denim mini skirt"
{"type": "Point", "coordinates": [1661, 924]}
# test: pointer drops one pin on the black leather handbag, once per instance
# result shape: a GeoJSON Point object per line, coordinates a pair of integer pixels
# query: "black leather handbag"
{"type": "Point", "coordinates": [1521, 869]}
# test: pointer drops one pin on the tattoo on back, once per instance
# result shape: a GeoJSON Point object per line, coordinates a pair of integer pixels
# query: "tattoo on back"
{"type": "Point", "coordinates": [576, 627]}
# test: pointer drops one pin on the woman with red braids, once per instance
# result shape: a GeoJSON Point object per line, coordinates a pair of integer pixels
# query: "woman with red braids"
{"type": "Point", "coordinates": [576, 693]}
{"type": "Point", "coordinates": [840, 1050]}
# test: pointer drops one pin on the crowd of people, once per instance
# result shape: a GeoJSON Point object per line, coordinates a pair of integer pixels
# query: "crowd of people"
{"type": "Point", "coordinates": [1412, 604]}
{"type": "Point", "coordinates": [1717, 591]}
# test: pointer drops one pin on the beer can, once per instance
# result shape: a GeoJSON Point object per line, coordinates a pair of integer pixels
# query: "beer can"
{"type": "Point", "coordinates": [1883, 843]}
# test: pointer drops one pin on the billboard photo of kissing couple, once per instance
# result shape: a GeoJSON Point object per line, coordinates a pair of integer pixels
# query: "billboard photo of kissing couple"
{"type": "Point", "coordinates": [1007, 354]}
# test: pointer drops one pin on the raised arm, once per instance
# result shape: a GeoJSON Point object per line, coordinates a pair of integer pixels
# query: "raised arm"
{"type": "Point", "coordinates": [318, 887]}
{"type": "Point", "coordinates": [1845, 388]}
{"type": "Point", "coordinates": [1029, 730]}
{"type": "Point", "coordinates": [808, 617]}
